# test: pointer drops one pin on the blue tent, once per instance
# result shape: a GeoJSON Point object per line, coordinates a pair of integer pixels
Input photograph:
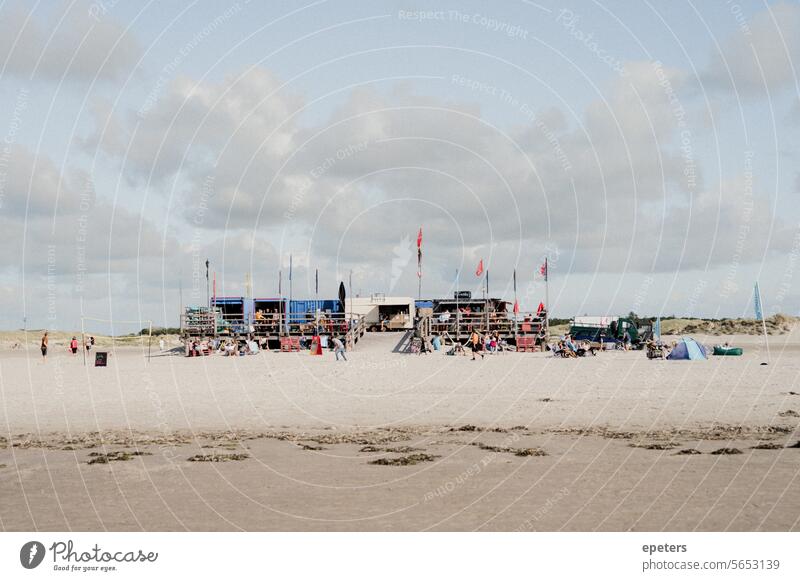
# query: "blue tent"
{"type": "Point", "coordinates": [688, 348]}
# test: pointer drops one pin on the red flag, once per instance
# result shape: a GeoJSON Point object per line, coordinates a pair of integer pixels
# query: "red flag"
{"type": "Point", "coordinates": [479, 270]}
{"type": "Point", "coordinates": [543, 269]}
{"type": "Point", "coordinates": [516, 307]}
{"type": "Point", "coordinates": [419, 253]}
{"type": "Point", "coordinates": [540, 309]}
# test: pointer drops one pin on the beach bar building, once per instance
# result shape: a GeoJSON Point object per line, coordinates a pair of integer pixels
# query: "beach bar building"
{"type": "Point", "coordinates": [453, 319]}
{"type": "Point", "coordinates": [382, 313]}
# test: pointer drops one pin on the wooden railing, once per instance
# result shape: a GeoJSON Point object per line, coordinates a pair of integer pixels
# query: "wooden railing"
{"type": "Point", "coordinates": [357, 329]}
{"type": "Point", "coordinates": [459, 325]}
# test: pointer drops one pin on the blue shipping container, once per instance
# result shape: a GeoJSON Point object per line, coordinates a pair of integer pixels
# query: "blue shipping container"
{"type": "Point", "coordinates": [304, 310]}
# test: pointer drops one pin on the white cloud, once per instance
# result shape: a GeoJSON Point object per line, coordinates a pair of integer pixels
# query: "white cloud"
{"type": "Point", "coordinates": [761, 56]}
{"type": "Point", "coordinates": [621, 185]}
{"type": "Point", "coordinates": [70, 42]}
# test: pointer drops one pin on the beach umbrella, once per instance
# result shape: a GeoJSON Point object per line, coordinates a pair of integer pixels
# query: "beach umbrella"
{"type": "Point", "coordinates": [342, 294]}
{"type": "Point", "coordinates": [657, 329]}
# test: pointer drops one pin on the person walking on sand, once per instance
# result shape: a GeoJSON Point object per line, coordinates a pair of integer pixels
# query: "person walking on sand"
{"type": "Point", "coordinates": [73, 346]}
{"type": "Point", "coordinates": [475, 341]}
{"type": "Point", "coordinates": [338, 348]}
{"type": "Point", "coordinates": [44, 347]}
{"type": "Point", "coordinates": [161, 345]}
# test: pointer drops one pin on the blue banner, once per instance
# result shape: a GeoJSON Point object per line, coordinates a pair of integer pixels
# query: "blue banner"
{"type": "Point", "coordinates": [757, 302]}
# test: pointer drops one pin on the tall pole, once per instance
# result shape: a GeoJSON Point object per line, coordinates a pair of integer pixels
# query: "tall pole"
{"type": "Point", "coordinates": [316, 299]}
{"type": "Point", "coordinates": [180, 298]}
{"type": "Point", "coordinates": [351, 297]}
{"type": "Point", "coordinates": [419, 264]}
{"type": "Point", "coordinates": [289, 306]}
{"type": "Point", "coordinates": [515, 303]}
{"type": "Point", "coordinates": [280, 302]}
{"type": "Point", "coordinates": [486, 299]}
{"type": "Point", "coordinates": [208, 285]}
{"type": "Point", "coordinates": [760, 314]}
{"type": "Point", "coordinates": [546, 300]}
{"type": "Point", "coordinates": [458, 313]}
{"type": "Point", "coordinates": [83, 340]}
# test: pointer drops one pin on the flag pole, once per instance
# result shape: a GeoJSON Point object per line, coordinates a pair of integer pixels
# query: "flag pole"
{"type": "Point", "coordinates": [419, 264]}
{"type": "Point", "coordinates": [289, 306]}
{"type": "Point", "coordinates": [350, 318]}
{"type": "Point", "coordinates": [515, 305]}
{"type": "Point", "coordinates": [486, 300]}
{"type": "Point", "coordinates": [546, 300]}
{"type": "Point", "coordinates": [458, 313]}
{"type": "Point", "coordinates": [760, 314]}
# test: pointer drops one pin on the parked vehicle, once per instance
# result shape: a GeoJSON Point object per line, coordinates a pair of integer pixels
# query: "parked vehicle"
{"type": "Point", "coordinates": [604, 330]}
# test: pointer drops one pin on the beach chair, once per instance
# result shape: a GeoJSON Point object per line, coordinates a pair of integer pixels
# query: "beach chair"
{"type": "Point", "coordinates": [526, 344]}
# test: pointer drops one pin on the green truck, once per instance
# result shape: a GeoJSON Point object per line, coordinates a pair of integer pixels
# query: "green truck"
{"type": "Point", "coordinates": [616, 330]}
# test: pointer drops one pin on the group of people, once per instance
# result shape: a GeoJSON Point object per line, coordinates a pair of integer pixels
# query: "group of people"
{"type": "Point", "coordinates": [224, 347]}
{"type": "Point", "coordinates": [481, 344]}
{"type": "Point", "coordinates": [73, 346]}
{"type": "Point", "coordinates": [233, 348]}
{"type": "Point", "coordinates": [568, 347]}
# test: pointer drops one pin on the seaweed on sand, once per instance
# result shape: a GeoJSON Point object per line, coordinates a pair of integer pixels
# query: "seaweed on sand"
{"type": "Point", "coordinates": [217, 457]}
{"type": "Point", "coordinates": [509, 450]}
{"type": "Point", "coordinates": [398, 450]}
{"type": "Point", "coordinates": [311, 447]}
{"type": "Point", "coordinates": [655, 445]}
{"type": "Point", "coordinates": [409, 460]}
{"type": "Point", "coordinates": [687, 452]}
{"type": "Point", "coordinates": [117, 456]}
{"type": "Point", "coordinates": [726, 451]}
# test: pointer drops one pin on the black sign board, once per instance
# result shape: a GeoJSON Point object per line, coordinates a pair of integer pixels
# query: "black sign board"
{"type": "Point", "coordinates": [101, 359]}
{"type": "Point", "coordinates": [462, 295]}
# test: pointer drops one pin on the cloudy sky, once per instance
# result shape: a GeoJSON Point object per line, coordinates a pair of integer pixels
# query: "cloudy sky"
{"type": "Point", "coordinates": [649, 149]}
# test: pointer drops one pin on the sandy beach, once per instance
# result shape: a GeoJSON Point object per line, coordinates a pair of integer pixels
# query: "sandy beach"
{"type": "Point", "coordinates": [391, 441]}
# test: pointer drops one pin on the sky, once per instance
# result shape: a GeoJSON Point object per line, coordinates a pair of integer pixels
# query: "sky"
{"type": "Point", "coordinates": [649, 150]}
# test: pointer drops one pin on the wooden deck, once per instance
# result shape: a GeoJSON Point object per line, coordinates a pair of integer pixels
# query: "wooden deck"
{"type": "Point", "coordinates": [532, 327]}
{"type": "Point", "coordinates": [200, 324]}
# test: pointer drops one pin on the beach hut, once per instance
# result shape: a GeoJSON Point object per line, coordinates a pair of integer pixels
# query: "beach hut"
{"type": "Point", "coordinates": [268, 314]}
{"type": "Point", "coordinates": [688, 348]}
{"type": "Point", "coordinates": [384, 313]}
{"type": "Point", "coordinates": [233, 314]}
